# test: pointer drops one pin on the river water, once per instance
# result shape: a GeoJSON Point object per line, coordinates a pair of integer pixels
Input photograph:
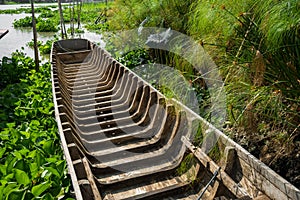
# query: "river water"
{"type": "Point", "coordinates": [16, 39]}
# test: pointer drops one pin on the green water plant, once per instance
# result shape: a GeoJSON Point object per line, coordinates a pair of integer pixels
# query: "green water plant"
{"type": "Point", "coordinates": [23, 22]}
{"type": "Point", "coordinates": [47, 25]}
{"type": "Point", "coordinates": [44, 48]}
{"type": "Point", "coordinates": [31, 159]}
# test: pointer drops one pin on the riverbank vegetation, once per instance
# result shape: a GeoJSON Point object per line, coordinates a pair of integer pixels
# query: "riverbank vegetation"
{"type": "Point", "coordinates": [256, 46]}
{"type": "Point", "coordinates": [31, 159]}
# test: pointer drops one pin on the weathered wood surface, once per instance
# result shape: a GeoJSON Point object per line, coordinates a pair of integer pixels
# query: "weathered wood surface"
{"type": "Point", "coordinates": [103, 115]}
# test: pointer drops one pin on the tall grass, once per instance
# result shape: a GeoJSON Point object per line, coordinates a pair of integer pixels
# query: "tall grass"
{"type": "Point", "coordinates": [256, 44]}
{"type": "Point", "coordinates": [156, 13]}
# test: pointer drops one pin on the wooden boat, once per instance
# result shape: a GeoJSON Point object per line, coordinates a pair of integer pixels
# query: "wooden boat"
{"type": "Point", "coordinates": [116, 147]}
{"type": "Point", "coordinates": [3, 32]}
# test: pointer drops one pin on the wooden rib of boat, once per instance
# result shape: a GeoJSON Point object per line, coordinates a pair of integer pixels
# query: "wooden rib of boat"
{"type": "Point", "coordinates": [122, 139]}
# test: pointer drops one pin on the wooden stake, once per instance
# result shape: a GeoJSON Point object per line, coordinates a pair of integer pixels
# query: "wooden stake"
{"type": "Point", "coordinates": [62, 22]}
{"type": "Point", "coordinates": [78, 12]}
{"type": "Point", "coordinates": [36, 50]}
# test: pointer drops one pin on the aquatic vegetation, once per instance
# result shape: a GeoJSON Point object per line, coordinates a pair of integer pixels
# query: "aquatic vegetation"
{"type": "Point", "coordinates": [44, 48]}
{"type": "Point", "coordinates": [47, 14]}
{"type": "Point", "coordinates": [28, 10]}
{"type": "Point", "coordinates": [47, 25]}
{"type": "Point", "coordinates": [42, 25]}
{"type": "Point", "coordinates": [92, 16]}
{"type": "Point", "coordinates": [23, 22]}
{"type": "Point", "coordinates": [31, 164]}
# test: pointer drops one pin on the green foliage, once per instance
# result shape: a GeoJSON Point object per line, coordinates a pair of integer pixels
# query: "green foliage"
{"type": "Point", "coordinates": [28, 10]}
{"type": "Point", "coordinates": [76, 30]}
{"type": "Point", "coordinates": [47, 25]}
{"type": "Point", "coordinates": [31, 163]}
{"type": "Point", "coordinates": [96, 27]}
{"type": "Point", "coordinates": [135, 58]}
{"type": "Point", "coordinates": [31, 43]}
{"type": "Point", "coordinates": [47, 14]}
{"type": "Point", "coordinates": [188, 162]}
{"type": "Point", "coordinates": [279, 27]}
{"type": "Point", "coordinates": [92, 15]}
{"type": "Point", "coordinates": [168, 13]}
{"type": "Point", "coordinates": [41, 9]}
{"type": "Point", "coordinates": [42, 25]}
{"type": "Point", "coordinates": [44, 48]}
{"type": "Point", "coordinates": [23, 22]}
{"type": "Point", "coordinates": [14, 69]}
{"type": "Point", "coordinates": [214, 20]}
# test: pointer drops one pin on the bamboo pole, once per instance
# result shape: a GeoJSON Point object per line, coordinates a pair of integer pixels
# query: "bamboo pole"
{"type": "Point", "coordinates": [79, 13]}
{"type": "Point", "coordinates": [62, 22]}
{"type": "Point", "coordinates": [36, 51]}
{"type": "Point", "coordinates": [106, 8]}
{"type": "Point", "coordinates": [72, 19]}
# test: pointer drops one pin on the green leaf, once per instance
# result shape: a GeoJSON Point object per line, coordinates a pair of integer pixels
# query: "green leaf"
{"type": "Point", "coordinates": [2, 151]}
{"type": "Point", "coordinates": [17, 154]}
{"type": "Point", "coordinates": [39, 189]}
{"type": "Point", "coordinates": [22, 177]}
{"type": "Point", "coordinates": [39, 159]}
{"type": "Point", "coordinates": [53, 171]}
{"type": "Point", "coordinates": [1, 191]}
{"type": "Point", "coordinates": [3, 169]}
{"type": "Point", "coordinates": [48, 197]}
{"type": "Point", "coordinates": [34, 169]}
{"type": "Point", "coordinates": [10, 125]}
{"type": "Point", "coordinates": [16, 194]}
{"type": "Point", "coordinates": [21, 164]}
{"type": "Point", "coordinates": [48, 146]}
{"type": "Point", "coordinates": [34, 123]}
{"type": "Point", "coordinates": [10, 165]}
{"type": "Point", "coordinates": [9, 187]}
{"type": "Point", "coordinates": [9, 176]}
{"type": "Point", "coordinates": [61, 166]}
{"type": "Point", "coordinates": [24, 151]}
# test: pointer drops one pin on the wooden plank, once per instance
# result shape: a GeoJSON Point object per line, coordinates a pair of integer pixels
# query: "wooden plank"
{"type": "Point", "coordinates": [222, 177]}
{"type": "Point", "coordinates": [90, 177]}
{"type": "Point", "coordinates": [3, 32]}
